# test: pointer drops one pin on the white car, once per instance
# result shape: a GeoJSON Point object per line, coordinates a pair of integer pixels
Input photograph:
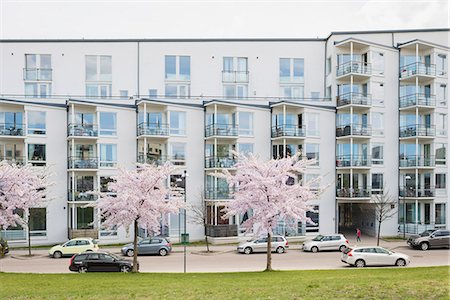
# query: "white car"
{"type": "Point", "coordinates": [279, 245]}
{"type": "Point", "coordinates": [326, 242]}
{"type": "Point", "coordinates": [73, 246]}
{"type": "Point", "coordinates": [374, 256]}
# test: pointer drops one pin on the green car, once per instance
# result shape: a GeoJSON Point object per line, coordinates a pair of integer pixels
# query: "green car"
{"type": "Point", "coordinates": [74, 246]}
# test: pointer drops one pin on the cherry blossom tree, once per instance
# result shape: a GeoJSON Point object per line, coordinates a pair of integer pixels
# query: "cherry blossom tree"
{"type": "Point", "coordinates": [268, 190]}
{"type": "Point", "coordinates": [141, 198]}
{"type": "Point", "coordinates": [21, 188]}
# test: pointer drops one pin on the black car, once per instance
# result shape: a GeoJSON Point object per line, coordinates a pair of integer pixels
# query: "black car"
{"type": "Point", "coordinates": [99, 262]}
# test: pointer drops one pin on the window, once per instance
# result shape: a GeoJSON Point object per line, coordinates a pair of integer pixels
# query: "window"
{"type": "Point", "coordinates": [312, 152]}
{"type": "Point", "coordinates": [315, 96]}
{"type": "Point", "coordinates": [292, 91]}
{"type": "Point", "coordinates": [377, 154]}
{"type": "Point", "coordinates": [153, 93]}
{"type": "Point", "coordinates": [237, 91]}
{"type": "Point", "coordinates": [441, 124]}
{"type": "Point", "coordinates": [37, 221]}
{"type": "Point", "coordinates": [178, 68]}
{"type": "Point", "coordinates": [314, 216]}
{"type": "Point", "coordinates": [441, 154]}
{"type": "Point", "coordinates": [177, 123]}
{"type": "Point", "coordinates": [377, 183]}
{"type": "Point", "coordinates": [245, 148]}
{"type": "Point", "coordinates": [378, 63]}
{"type": "Point", "coordinates": [312, 125]}
{"type": "Point", "coordinates": [38, 67]}
{"type": "Point", "coordinates": [440, 213]}
{"type": "Point", "coordinates": [108, 155]}
{"type": "Point", "coordinates": [36, 154]}
{"type": "Point", "coordinates": [98, 75]}
{"type": "Point", "coordinates": [36, 122]}
{"type": "Point", "coordinates": [104, 180]}
{"type": "Point", "coordinates": [441, 181]}
{"type": "Point", "coordinates": [291, 70]}
{"type": "Point", "coordinates": [98, 90]}
{"type": "Point", "coordinates": [441, 64]}
{"type": "Point", "coordinates": [38, 89]}
{"type": "Point", "coordinates": [108, 124]}
{"type": "Point", "coordinates": [178, 153]}
{"type": "Point", "coordinates": [235, 69]}
{"type": "Point", "coordinates": [377, 124]}
{"type": "Point", "coordinates": [178, 90]}
{"type": "Point", "coordinates": [245, 123]}
{"type": "Point", "coordinates": [123, 94]}
{"type": "Point", "coordinates": [441, 95]}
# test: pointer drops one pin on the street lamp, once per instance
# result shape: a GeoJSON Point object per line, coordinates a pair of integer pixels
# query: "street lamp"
{"type": "Point", "coordinates": [407, 177]}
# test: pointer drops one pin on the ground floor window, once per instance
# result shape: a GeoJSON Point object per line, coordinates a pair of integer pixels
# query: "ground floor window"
{"type": "Point", "coordinates": [440, 214]}
{"type": "Point", "coordinates": [85, 217]}
{"type": "Point", "coordinates": [37, 221]}
{"type": "Point", "coordinates": [314, 216]}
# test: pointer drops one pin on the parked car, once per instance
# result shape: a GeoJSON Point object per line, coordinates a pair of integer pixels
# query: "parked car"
{"type": "Point", "coordinates": [326, 242]}
{"type": "Point", "coordinates": [154, 245]}
{"type": "Point", "coordinates": [430, 239]}
{"type": "Point", "coordinates": [373, 256]}
{"type": "Point", "coordinates": [73, 246]}
{"type": "Point", "coordinates": [99, 262]}
{"type": "Point", "coordinates": [279, 245]}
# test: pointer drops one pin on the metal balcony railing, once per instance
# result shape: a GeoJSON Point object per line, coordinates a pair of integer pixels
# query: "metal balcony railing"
{"type": "Point", "coordinates": [417, 99]}
{"type": "Point", "coordinates": [234, 76]}
{"type": "Point", "coordinates": [288, 130]}
{"type": "Point", "coordinates": [353, 161]}
{"type": "Point", "coordinates": [354, 67]}
{"type": "Point", "coordinates": [220, 162]}
{"type": "Point", "coordinates": [17, 160]}
{"type": "Point", "coordinates": [81, 196]}
{"type": "Point", "coordinates": [218, 193]}
{"type": "Point", "coordinates": [154, 129]}
{"type": "Point", "coordinates": [37, 74]}
{"type": "Point", "coordinates": [152, 159]}
{"type": "Point", "coordinates": [416, 161]}
{"type": "Point", "coordinates": [354, 99]}
{"type": "Point", "coordinates": [12, 129]}
{"type": "Point", "coordinates": [353, 193]}
{"type": "Point", "coordinates": [86, 130]}
{"type": "Point", "coordinates": [417, 130]}
{"type": "Point", "coordinates": [417, 68]}
{"type": "Point", "coordinates": [353, 129]}
{"type": "Point", "coordinates": [412, 192]}
{"type": "Point", "coordinates": [83, 163]}
{"type": "Point", "coordinates": [221, 130]}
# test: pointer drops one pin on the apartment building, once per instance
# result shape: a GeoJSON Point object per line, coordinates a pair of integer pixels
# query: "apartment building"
{"type": "Point", "coordinates": [370, 107]}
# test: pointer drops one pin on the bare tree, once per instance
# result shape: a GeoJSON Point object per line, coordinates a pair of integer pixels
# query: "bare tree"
{"type": "Point", "coordinates": [385, 208]}
{"type": "Point", "coordinates": [199, 216]}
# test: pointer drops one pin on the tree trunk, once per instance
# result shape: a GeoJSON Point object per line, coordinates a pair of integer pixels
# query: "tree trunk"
{"type": "Point", "coordinates": [29, 240]}
{"type": "Point", "coordinates": [269, 252]}
{"type": "Point", "coordinates": [135, 250]}
{"type": "Point", "coordinates": [207, 243]}
{"type": "Point", "coordinates": [378, 234]}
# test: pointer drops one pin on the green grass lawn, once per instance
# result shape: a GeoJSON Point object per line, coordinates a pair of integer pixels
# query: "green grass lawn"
{"type": "Point", "coordinates": [391, 283]}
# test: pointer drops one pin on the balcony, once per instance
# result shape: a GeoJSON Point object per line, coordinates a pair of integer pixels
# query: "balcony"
{"type": "Point", "coordinates": [82, 130]}
{"type": "Point", "coordinates": [420, 99]}
{"type": "Point", "coordinates": [288, 130]}
{"type": "Point", "coordinates": [350, 161]}
{"type": "Point", "coordinates": [353, 193]}
{"type": "Point", "coordinates": [358, 68]}
{"type": "Point", "coordinates": [357, 130]}
{"type": "Point", "coordinates": [354, 99]}
{"type": "Point", "coordinates": [235, 76]}
{"type": "Point", "coordinates": [417, 69]}
{"type": "Point", "coordinates": [81, 196]}
{"type": "Point", "coordinates": [36, 74]}
{"type": "Point", "coordinates": [153, 129]}
{"type": "Point", "coordinates": [12, 129]}
{"type": "Point", "coordinates": [158, 160]}
{"type": "Point", "coordinates": [222, 130]}
{"type": "Point", "coordinates": [412, 192]}
{"type": "Point", "coordinates": [225, 162]}
{"type": "Point", "coordinates": [90, 163]}
{"type": "Point", "coordinates": [16, 160]}
{"type": "Point", "coordinates": [413, 161]}
{"type": "Point", "coordinates": [417, 130]}
{"type": "Point", "coordinates": [218, 194]}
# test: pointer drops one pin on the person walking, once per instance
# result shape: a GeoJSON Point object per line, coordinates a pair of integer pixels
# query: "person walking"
{"type": "Point", "coordinates": [358, 235]}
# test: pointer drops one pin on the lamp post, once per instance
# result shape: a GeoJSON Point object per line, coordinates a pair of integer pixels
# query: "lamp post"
{"type": "Point", "coordinates": [407, 177]}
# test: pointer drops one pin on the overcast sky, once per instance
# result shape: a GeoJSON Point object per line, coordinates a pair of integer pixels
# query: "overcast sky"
{"type": "Point", "coordinates": [213, 18]}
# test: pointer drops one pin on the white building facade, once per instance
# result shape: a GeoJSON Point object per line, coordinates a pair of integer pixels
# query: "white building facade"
{"type": "Point", "coordinates": [370, 107]}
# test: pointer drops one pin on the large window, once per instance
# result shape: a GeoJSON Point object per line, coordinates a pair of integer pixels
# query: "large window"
{"type": "Point", "coordinates": [245, 148]}
{"type": "Point", "coordinates": [36, 122]}
{"type": "Point", "coordinates": [38, 67]}
{"type": "Point", "coordinates": [108, 155]}
{"type": "Point", "coordinates": [245, 123]}
{"type": "Point", "coordinates": [38, 89]}
{"type": "Point", "coordinates": [291, 69]}
{"type": "Point", "coordinates": [178, 90]}
{"type": "Point", "coordinates": [292, 91]}
{"type": "Point", "coordinates": [85, 217]}
{"type": "Point", "coordinates": [312, 152]}
{"type": "Point", "coordinates": [98, 75]}
{"type": "Point", "coordinates": [441, 181]}
{"type": "Point", "coordinates": [441, 154]}
{"type": "Point", "coordinates": [104, 181]}
{"type": "Point", "coordinates": [313, 226]}
{"type": "Point", "coordinates": [440, 213]}
{"type": "Point", "coordinates": [36, 154]}
{"type": "Point", "coordinates": [377, 154]}
{"type": "Point", "coordinates": [38, 221]}
{"type": "Point", "coordinates": [177, 123]}
{"type": "Point", "coordinates": [235, 91]}
{"type": "Point", "coordinates": [178, 153]}
{"type": "Point", "coordinates": [377, 183]}
{"type": "Point", "coordinates": [108, 123]}
{"type": "Point", "coordinates": [178, 67]}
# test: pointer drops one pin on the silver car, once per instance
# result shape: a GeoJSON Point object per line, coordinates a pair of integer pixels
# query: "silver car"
{"type": "Point", "coordinates": [154, 245]}
{"type": "Point", "coordinates": [374, 256]}
{"type": "Point", "coordinates": [326, 242]}
{"type": "Point", "coordinates": [279, 245]}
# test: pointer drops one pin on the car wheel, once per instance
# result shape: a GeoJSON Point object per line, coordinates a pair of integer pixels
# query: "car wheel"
{"type": "Point", "coordinates": [57, 254]}
{"type": "Point", "coordinates": [342, 248]}
{"type": "Point", "coordinates": [82, 270]}
{"type": "Point", "coordinates": [424, 246]}
{"type": "Point", "coordinates": [360, 263]}
{"type": "Point", "coordinates": [280, 250]}
{"type": "Point", "coordinates": [162, 252]}
{"type": "Point", "coordinates": [125, 269]}
{"type": "Point", "coordinates": [314, 249]}
{"type": "Point", "coordinates": [129, 252]}
{"type": "Point", "coordinates": [248, 250]}
{"type": "Point", "coordinates": [400, 262]}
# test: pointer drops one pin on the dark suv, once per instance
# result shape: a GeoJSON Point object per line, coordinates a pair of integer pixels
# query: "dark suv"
{"type": "Point", "coordinates": [99, 262]}
{"type": "Point", "coordinates": [430, 239]}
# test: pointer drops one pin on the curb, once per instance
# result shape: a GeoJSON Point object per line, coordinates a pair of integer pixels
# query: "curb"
{"type": "Point", "coordinates": [28, 258]}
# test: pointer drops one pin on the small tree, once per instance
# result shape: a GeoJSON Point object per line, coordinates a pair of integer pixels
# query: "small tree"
{"type": "Point", "coordinates": [21, 188]}
{"type": "Point", "coordinates": [385, 208]}
{"type": "Point", "coordinates": [141, 199]}
{"type": "Point", "coordinates": [267, 188]}
{"type": "Point", "coordinates": [199, 216]}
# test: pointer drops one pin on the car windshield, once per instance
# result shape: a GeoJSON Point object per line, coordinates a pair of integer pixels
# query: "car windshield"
{"type": "Point", "coordinates": [426, 233]}
{"type": "Point", "coordinates": [318, 238]}
{"type": "Point", "coordinates": [114, 256]}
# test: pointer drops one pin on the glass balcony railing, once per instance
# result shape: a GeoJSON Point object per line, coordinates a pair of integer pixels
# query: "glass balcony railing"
{"type": "Point", "coordinates": [354, 98]}
{"type": "Point", "coordinates": [12, 129]}
{"type": "Point", "coordinates": [220, 162]}
{"type": "Point", "coordinates": [417, 68]}
{"type": "Point", "coordinates": [218, 193]}
{"type": "Point", "coordinates": [353, 161]}
{"type": "Point", "coordinates": [37, 74]}
{"type": "Point", "coordinates": [81, 196]}
{"type": "Point", "coordinates": [221, 130]}
{"type": "Point", "coordinates": [416, 161]}
{"type": "Point", "coordinates": [17, 160]}
{"type": "Point", "coordinates": [82, 130]}
{"type": "Point", "coordinates": [417, 99]}
{"type": "Point", "coordinates": [412, 192]}
{"type": "Point", "coordinates": [152, 159]}
{"type": "Point", "coordinates": [353, 192]}
{"type": "Point", "coordinates": [83, 163]}
{"type": "Point", "coordinates": [353, 129]}
{"type": "Point", "coordinates": [288, 130]}
{"type": "Point", "coordinates": [154, 129]}
{"type": "Point", "coordinates": [417, 130]}
{"type": "Point", "coordinates": [235, 76]}
{"type": "Point", "coordinates": [354, 67]}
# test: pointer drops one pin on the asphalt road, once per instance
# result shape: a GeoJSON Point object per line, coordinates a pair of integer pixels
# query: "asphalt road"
{"type": "Point", "coordinates": [224, 259]}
